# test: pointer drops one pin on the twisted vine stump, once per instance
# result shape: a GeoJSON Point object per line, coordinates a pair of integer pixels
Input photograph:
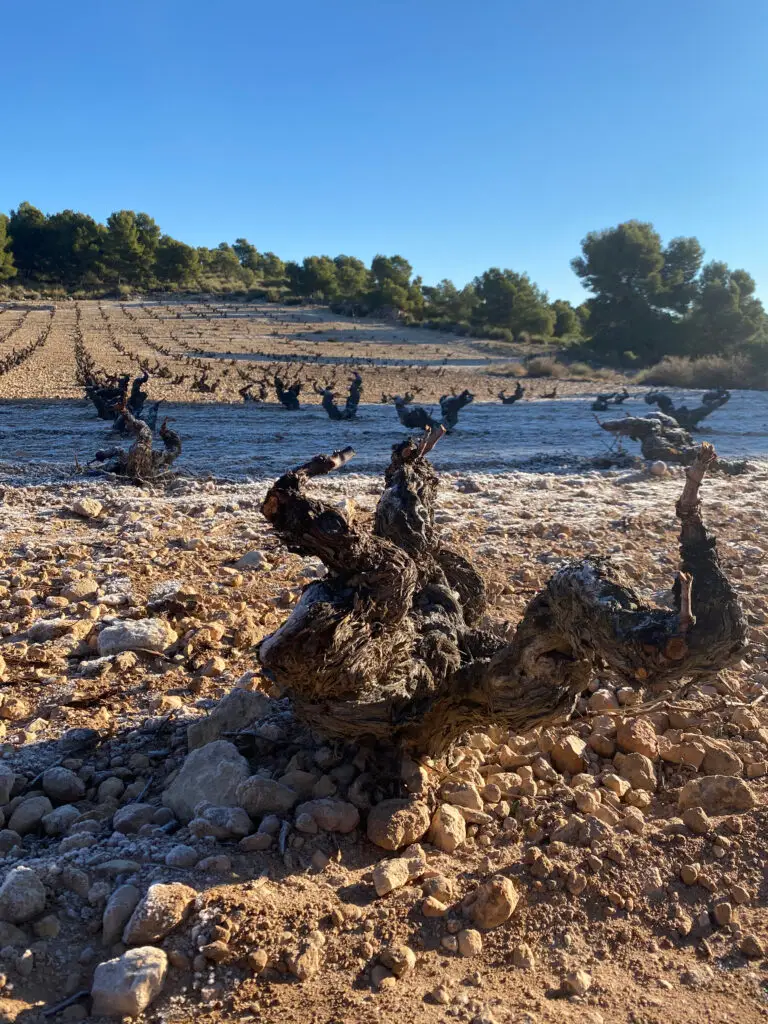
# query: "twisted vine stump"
{"type": "Point", "coordinates": [661, 437]}
{"type": "Point", "coordinates": [141, 463]}
{"type": "Point", "coordinates": [386, 647]}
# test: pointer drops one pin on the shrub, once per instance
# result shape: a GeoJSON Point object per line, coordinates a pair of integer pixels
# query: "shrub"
{"type": "Point", "coordinates": [736, 371]}
{"type": "Point", "coordinates": [544, 366]}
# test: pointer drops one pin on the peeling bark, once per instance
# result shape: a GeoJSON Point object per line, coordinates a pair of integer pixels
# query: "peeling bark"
{"type": "Point", "coordinates": [387, 645]}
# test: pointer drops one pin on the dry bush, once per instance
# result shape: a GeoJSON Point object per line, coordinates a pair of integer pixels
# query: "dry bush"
{"type": "Point", "coordinates": [735, 371]}
{"type": "Point", "coordinates": [545, 366]}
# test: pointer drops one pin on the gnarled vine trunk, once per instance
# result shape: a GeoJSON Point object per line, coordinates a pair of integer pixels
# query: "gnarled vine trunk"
{"type": "Point", "coordinates": [387, 646]}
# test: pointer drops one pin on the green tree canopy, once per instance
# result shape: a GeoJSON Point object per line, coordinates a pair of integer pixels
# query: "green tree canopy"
{"type": "Point", "coordinates": [7, 267]}
{"type": "Point", "coordinates": [567, 320]}
{"type": "Point", "coordinates": [175, 262]}
{"type": "Point", "coordinates": [512, 300]}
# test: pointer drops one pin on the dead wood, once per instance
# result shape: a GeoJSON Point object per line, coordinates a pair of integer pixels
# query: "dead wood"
{"type": "Point", "coordinates": [387, 646]}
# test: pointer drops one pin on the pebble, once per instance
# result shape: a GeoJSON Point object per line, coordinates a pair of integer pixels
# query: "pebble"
{"type": "Point", "coordinates": [493, 903]}
{"type": "Point", "coordinates": [396, 823]}
{"type": "Point", "coordinates": [577, 983]}
{"type": "Point", "coordinates": [389, 875]}
{"type": "Point", "coordinates": [22, 896]}
{"type": "Point", "coordinates": [125, 987]}
{"type": "Point", "coordinates": [163, 908]}
{"type": "Point", "coordinates": [470, 942]}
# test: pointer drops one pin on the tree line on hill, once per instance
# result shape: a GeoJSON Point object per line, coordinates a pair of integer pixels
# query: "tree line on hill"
{"type": "Point", "coordinates": [646, 299]}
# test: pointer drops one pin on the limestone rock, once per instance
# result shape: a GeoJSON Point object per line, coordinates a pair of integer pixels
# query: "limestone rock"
{"type": "Point", "coordinates": [132, 817]}
{"type": "Point", "coordinates": [389, 875]}
{"type": "Point", "coordinates": [396, 823]}
{"type": "Point", "coordinates": [470, 942]}
{"type": "Point", "coordinates": [721, 760]}
{"type": "Point", "coordinates": [79, 590]}
{"type": "Point", "coordinates": [63, 786]}
{"type": "Point", "coordinates": [163, 908]}
{"type": "Point", "coordinates": [59, 820]}
{"type": "Point", "coordinates": [211, 773]}
{"type": "Point", "coordinates": [120, 905]}
{"type": "Point", "coordinates": [448, 829]}
{"type": "Point", "coordinates": [221, 823]}
{"type": "Point", "coordinates": [638, 770]}
{"type": "Point", "coordinates": [494, 903]}
{"type": "Point", "coordinates": [136, 635]}
{"type": "Point", "coordinates": [259, 796]}
{"type": "Point", "coordinates": [125, 987]}
{"type": "Point", "coordinates": [568, 755]}
{"type": "Point", "coordinates": [22, 896]}
{"type": "Point", "coordinates": [717, 794]}
{"type": "Point", "coordinates": [29, 814]}
{"type": "Point", "coordinates": [637, 736]}
{"type": "Point", "coordinates": [462, 794]}
{"type": "Point", "coordinates": [236, 711]}
{"type": "Point", "coordinates": [400, 959]}
{"type": "Point", "coordinates": [88, 508]}
{"type": "Point", "coordinates": [7, 780]}
{"type": "Point", "coordinates": [331, 815]}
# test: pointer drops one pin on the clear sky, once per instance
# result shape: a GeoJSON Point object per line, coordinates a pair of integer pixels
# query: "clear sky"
{"type": "Point", "coordinates": [459, 134]}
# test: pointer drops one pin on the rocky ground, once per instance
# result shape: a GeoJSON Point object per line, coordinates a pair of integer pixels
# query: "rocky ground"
{"type": "Point", "coordinates": [174, 839]}
{"type": "Point", "coordinates": [181, 339]}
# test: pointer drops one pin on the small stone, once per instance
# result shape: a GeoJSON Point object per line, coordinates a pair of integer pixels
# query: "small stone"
{"type": "Point", "coordinates": [29, 814]}
{"type": "Point", "coordinates": [697, 820]}
{"type": "Point", "coordinates": [389, 875]}
{"type": "Point", "coordinates": [689, 873]}
{"type": "Point", "coordinates": [470, 942]}
{"type": "Point", "coordinates": [396, 823]}
{"type": "Point", "coordinates": [215, 951]}
{"type": "Point", "coordinates": [462, 794]}
{"type": "Point", "coordinates": [63, 786]}
{"type": "Point", "coordinates": [568, 755]}
{"type": "Point", "coordinates": [163, 908]}
{"type": "Point", "coordinates": [181, 856]}
{"type": "Point", "coordinates": [577, 983]}
{"type": "Point", "coordinates": [257, 960]}
{"type": "Point", "coordinates": [88, 508]}
{"type": "Point", "coordinates": [440, 887]}
{"type": "Point", "coordinates": [576, 882]}
{"type": "Point", "coordinates": [723, 914]}
{"type": "Point", "coordinates": [751, 946]}
{"type": "Point", "coordinates": [720, 760]}
{"type": "Point", "coordinates": [637, 735]}
{"type": "Point", "coordinates": [132, 817]}
{"type": "Point", "coordinates": [125, 987]}
{"type": "Point", "coordinates": [433, 907]}
{"type": "Point", "coordinates": [448, 829]}
{"type": "Point", "coordinates": [522, 957]}
{"type": "Point", "coordinates": [602, 700]}
{"type": "Point", "coordinates": [639, 772]}
{"type": "Point", "coordinates": [658, 468]}
{"type": "Point", "coordinates": [380, 977]}
{"type": "Point", "coordinates": [740, 895]}
{"type": "Point", "coordinates": [219, 864]}
{"type": "Point", "coordinates": [47, 927]}
{"type": "Point", "coordinates": [717, 794]}
{"type": "Point", "coordinates": [210, 774]}
{"type": "Point", "coordinates": [259, 796]}
{"type": "Point", "coordinates": [153, 635]}
{"type": "Point", "coordinates": [494, 902]}
{"type": "Point", "coordinates": [400, 959]}
{"type": "Point", "coordinates": [221, 823]}
{"type": "Point", "coordinates": [79, 590]}
{"type": "Point", "coordinates": [331, 815]}
{"type": "Point", "coordinates": [450, 943]}
{"type": "Point", "coordinates": [120, 905]}
{"type": "Point", "coordinates": [22, 896]}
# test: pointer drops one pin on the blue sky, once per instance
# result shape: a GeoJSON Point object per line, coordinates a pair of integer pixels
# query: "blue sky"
{"type": "Point", "coordinates": [460, 135]}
